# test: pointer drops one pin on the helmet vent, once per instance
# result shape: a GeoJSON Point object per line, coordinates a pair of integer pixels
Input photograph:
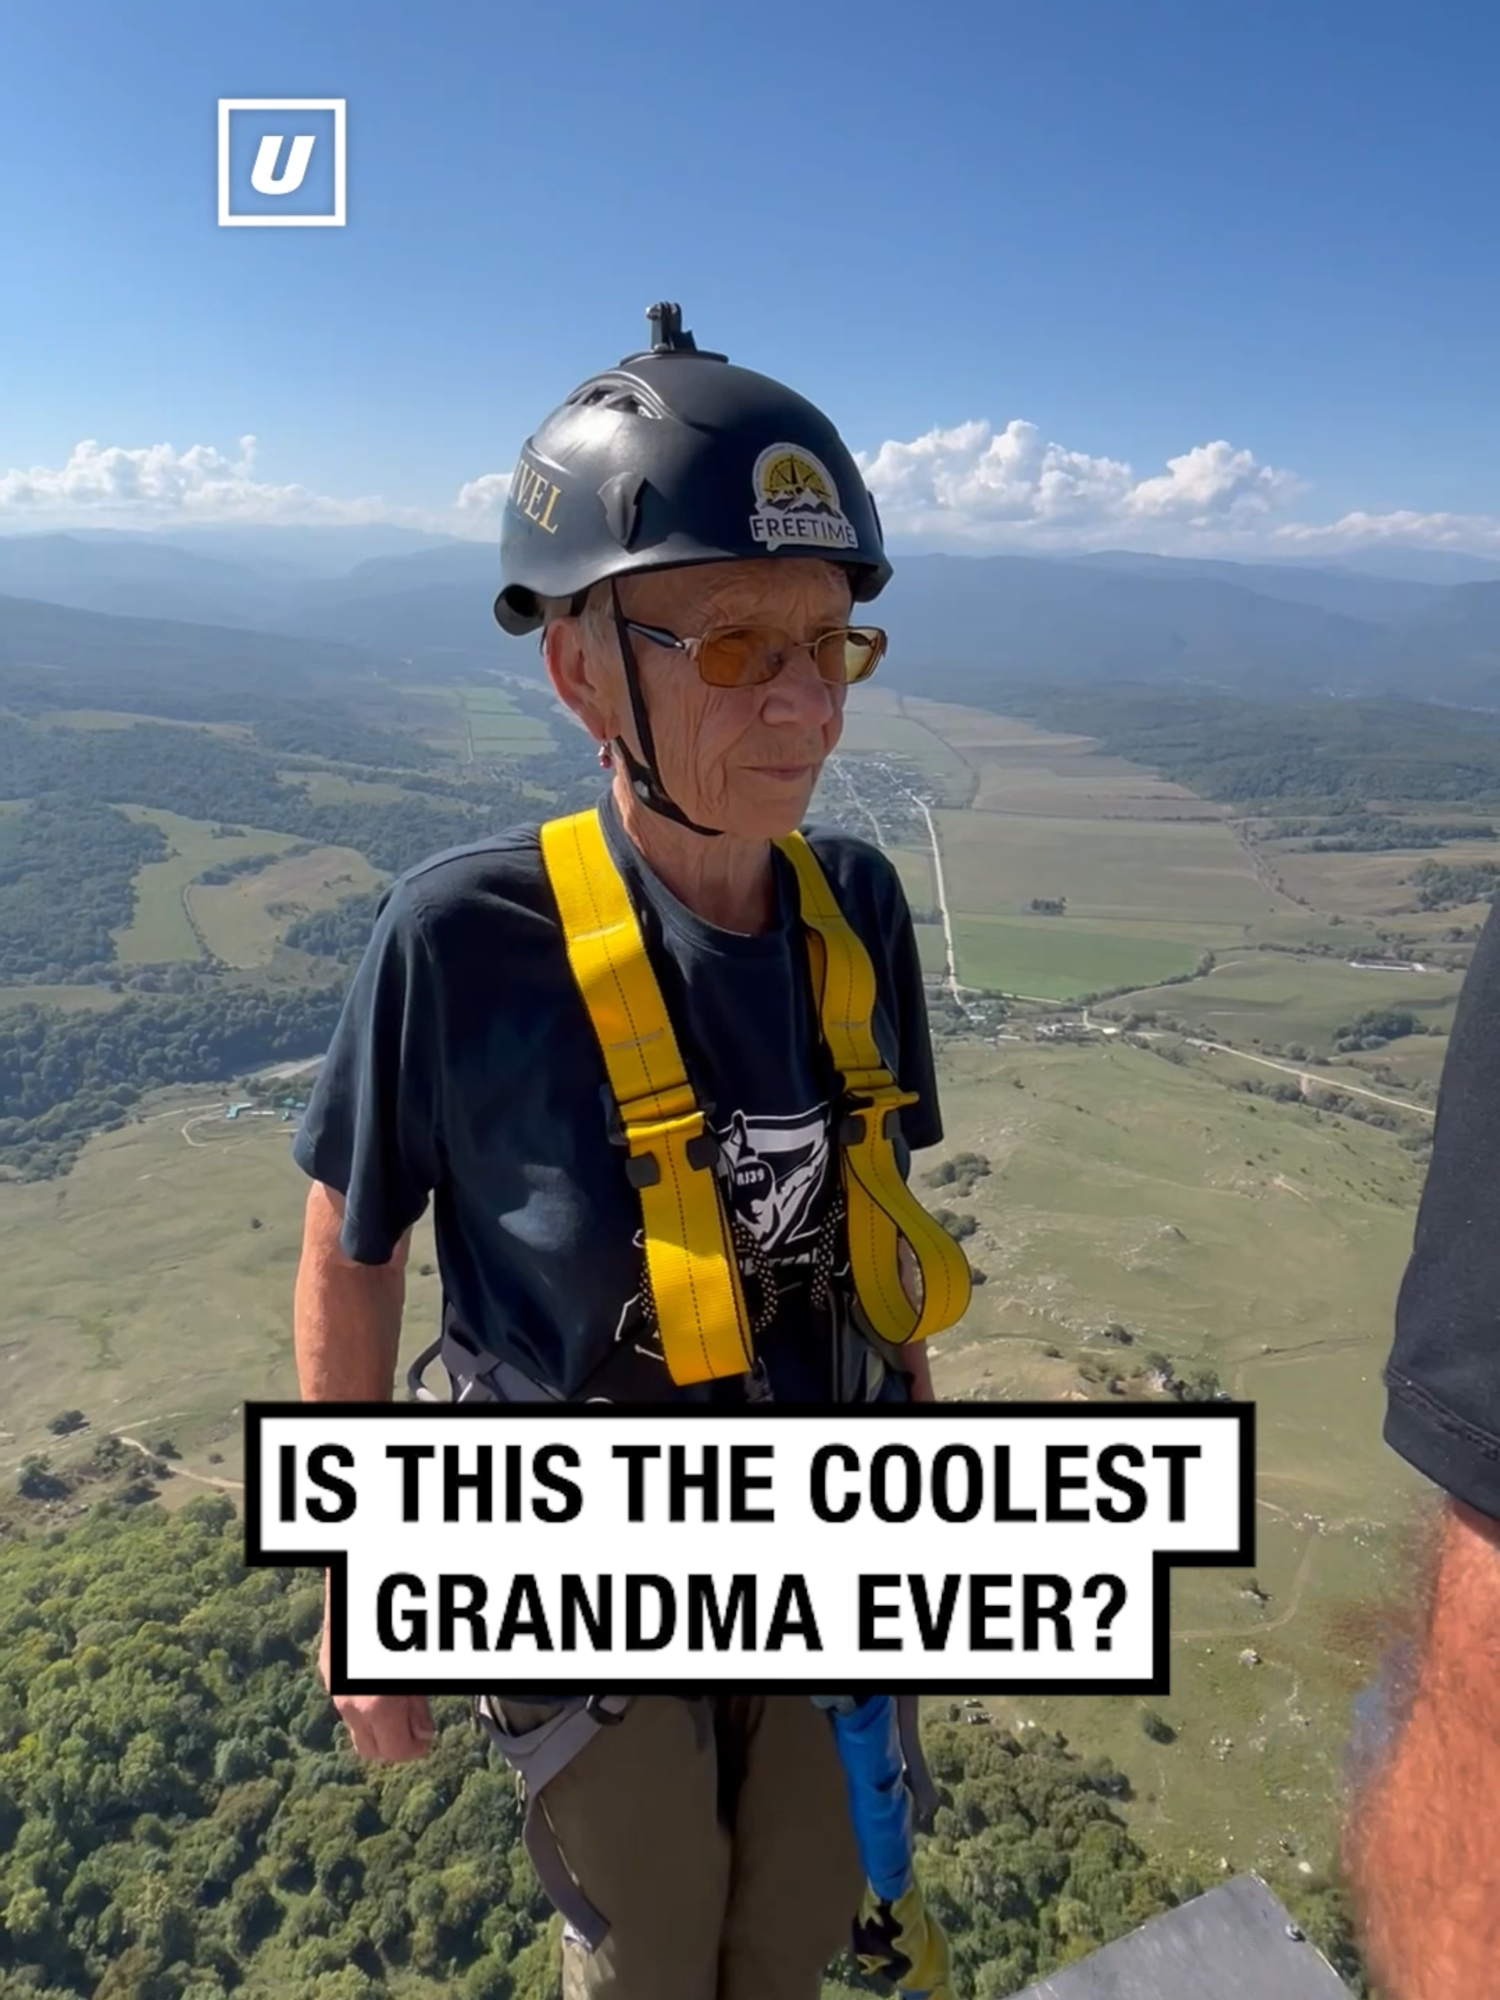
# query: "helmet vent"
{"type": "Point", "coordinates": [626, 398]}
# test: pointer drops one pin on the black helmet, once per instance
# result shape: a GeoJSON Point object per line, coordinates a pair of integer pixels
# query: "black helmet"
{"type": "Point", "coordinates": [678, 457]}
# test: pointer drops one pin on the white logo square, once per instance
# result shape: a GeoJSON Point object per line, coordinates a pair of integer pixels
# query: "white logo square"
{"type": "Point", "coordinates": [282, 159]}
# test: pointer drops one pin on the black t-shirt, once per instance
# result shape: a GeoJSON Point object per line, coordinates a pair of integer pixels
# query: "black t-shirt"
{"type": "Point", "coordinates": [1443, 1376]}
{"type": "Point", "coordinates": [465, 1071]}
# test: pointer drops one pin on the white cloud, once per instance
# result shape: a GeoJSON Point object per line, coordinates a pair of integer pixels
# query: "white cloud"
{"type": "Point", "coordinates": [1473, 533]}
{"type": "Point", "coordinates": [1210, 483]}
{"type": "Point", "coordinates": [153, 484]}
{"type": "Point", "coordinates": [1012, 487]}
{"type": "Point", "coordinates": [482, 499]}
{"type": "Point", "coordinates": [973, 478]}
{"type": "Point", "coordinates": [159, 486]}
{"type": "Point", "coordinates": [968, 487]}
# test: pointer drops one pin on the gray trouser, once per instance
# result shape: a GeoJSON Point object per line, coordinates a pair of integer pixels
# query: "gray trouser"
{"type": "Point", "coordinates": [713, 1838]}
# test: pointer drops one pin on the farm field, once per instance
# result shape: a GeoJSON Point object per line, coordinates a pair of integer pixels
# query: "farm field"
{"type": "Point", "coordinates": [1275, 997]}
{"type": "Point", "coordinates": [109, 718]}
{"type": "Point", "coordinates": [1048, 958]}
{"type": "Point", "coordinates": [242, 921]}
{"type": "Point", "coordinates": [876, 721]}
{"type": "Point", "coordinates": [1152, 876]}
{"type": "Point", "coordinates": [161, 929]}
{"type": "Point", "coordinates": [1017, 767]}
{"type": "Point", "coordinates": [332, 788]}
{"type": "Point", "coordinates": [1376, 885]}
{"type": "Point", "coordinates": [473, 719]}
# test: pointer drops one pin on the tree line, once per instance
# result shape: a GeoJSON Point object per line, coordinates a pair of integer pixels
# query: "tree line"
{"type": "Point", "coordinates": [65, 1076]}
{"type": "Point", "coordinates": [1376, 833]}
{"type": "Point", "coordinates": [1444, 886]}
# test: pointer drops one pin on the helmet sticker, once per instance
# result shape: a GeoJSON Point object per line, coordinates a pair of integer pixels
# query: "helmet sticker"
{"type": "Point", "coordinates": [797, 503]}
{"type": "Point", "coordinates": [533, 494]}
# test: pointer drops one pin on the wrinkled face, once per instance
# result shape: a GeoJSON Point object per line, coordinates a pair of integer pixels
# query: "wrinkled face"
{"type": "Point", "coordinates": [742, 760]}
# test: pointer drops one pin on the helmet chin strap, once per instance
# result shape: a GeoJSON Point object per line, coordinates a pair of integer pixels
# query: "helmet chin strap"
{"type": "Point", "coordinates": [645, 783]}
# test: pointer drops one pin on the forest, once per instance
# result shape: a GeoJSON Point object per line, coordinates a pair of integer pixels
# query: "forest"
{"type": "Point", "coordinates": [340, 933]}
{"type": "Point", "coordinates": [66, 869]}
{"type": "Point", "coordinates": [1440, 886]}
{"type": "Point", "coordinates": [180, 1819]}
{"type": "Point", "coordinates": [1375, 833]}
{"type": "Point", "coordinates": [64, 1076]}
{"type": "Point", "coordinates": [201, 776]}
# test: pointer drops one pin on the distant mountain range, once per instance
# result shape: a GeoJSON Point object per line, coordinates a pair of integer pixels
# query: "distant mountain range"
{"type": "Point", "coordinates": [363, 600]}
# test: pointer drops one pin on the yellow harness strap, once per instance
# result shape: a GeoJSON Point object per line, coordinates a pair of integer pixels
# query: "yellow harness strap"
{"type": "Point", "coordinates": [695, 1278]}
{"type": "Point", "coordinates": [694, 1275]}
{"type": "Point", "coordinates": [881, 1207]}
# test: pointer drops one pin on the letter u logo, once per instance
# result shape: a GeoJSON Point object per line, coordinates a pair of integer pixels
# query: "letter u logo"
{"type": "Point", "coordinates": [264, 178]}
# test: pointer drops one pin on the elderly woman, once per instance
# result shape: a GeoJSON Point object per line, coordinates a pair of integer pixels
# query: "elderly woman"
{"type": "Point", "coordinates": [648, 1064]}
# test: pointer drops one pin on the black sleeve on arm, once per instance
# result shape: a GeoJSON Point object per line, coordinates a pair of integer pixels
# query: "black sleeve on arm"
{"type": "Point", "coordinates": [371, 1126]}
{"type": "Point", "coordinates": [921, 1123]}
{"type": "Point", "coordinates": [1443, 1376]}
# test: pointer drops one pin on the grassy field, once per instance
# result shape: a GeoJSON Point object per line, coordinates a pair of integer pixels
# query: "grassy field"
{"type": "Point", "coordinates": [1193, 877]}
{"type": "Point", "coordinates": [1375, 885]}
{"type": "Point", "coordinates": [1144, 899]}
{"type": "Point", "coordinates": [1274, 997]}
{"type": "Point", "coordinates": [1054, 958]}
{"type": "Point", "coordinates": [476, 720]}
{"type": "Point", "coordinates": [111, 718]}
{"type": "Point", "coordinates": [1152, 876]}
{"type": "Point", "coordinates": [1018, 768]}
{"type": "Point", "coordinates": [242, 922]}
{"type": "Point", "coordinates": [161, 929]}
{"type": "Point", "coordinates": [139, 1289]}
{"type": "Point", "coordinates": [878, 721]}
{"type": "Point", "coordinates": [332, 788]}
{"type": "Point", "coordinates": [1243, 1236]}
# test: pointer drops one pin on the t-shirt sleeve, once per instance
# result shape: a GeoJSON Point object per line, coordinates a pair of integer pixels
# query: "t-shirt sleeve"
{"type": "Point", "coordinates": [922, 1122]}
{"type": "Point", "coordinates": [371, 1126]}
{"type": "Point", "coordinates": [1443, 1376]}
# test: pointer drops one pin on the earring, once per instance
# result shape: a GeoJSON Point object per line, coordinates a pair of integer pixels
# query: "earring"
{"type": "Point", "coordinates": [606, 757]}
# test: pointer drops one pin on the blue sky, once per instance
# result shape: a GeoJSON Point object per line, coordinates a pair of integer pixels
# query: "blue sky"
{"type": "Point", "coordinates": [1141, 232]}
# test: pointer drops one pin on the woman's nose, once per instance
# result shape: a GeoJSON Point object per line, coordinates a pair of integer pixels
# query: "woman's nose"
{"type": "Point", "coordinates": [799, 692]}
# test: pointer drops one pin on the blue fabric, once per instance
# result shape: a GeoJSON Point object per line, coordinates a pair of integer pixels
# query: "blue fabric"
{"type": "Point", "coordinates": [869, 1747]}
{"type": "Point", "coordinates": [464, 1073]}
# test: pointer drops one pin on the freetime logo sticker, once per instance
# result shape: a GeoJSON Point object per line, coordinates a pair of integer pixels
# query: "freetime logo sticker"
{"type": "Point", "coordinates": [797, 503]}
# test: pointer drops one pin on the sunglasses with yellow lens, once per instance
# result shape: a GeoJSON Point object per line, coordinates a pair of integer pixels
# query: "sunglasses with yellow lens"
{"type": "Point", "coordinates": [734, 656]}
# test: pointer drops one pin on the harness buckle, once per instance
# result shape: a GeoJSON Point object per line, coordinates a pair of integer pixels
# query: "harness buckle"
{"type": "Point", "coordinates": [882, 1100]}
{"type": "Point", "coordinates": [643, 1137]}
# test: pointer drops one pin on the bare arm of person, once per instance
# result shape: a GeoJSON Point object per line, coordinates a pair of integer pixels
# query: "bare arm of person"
{"type": "Point", "coordinates": [1422, 1848]}
{"type": "Point", "coordinates": [347, 1337]}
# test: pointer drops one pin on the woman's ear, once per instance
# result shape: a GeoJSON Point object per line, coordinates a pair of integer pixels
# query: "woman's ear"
{"type": "Point", "coordinates": [574, 676]}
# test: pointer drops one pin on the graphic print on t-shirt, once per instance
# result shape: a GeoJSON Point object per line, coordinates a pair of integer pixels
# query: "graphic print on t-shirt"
{"type": "Point", "coordinates": [772, 1171]}
{"type": "Point", "coordinates": [773, 1175]}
